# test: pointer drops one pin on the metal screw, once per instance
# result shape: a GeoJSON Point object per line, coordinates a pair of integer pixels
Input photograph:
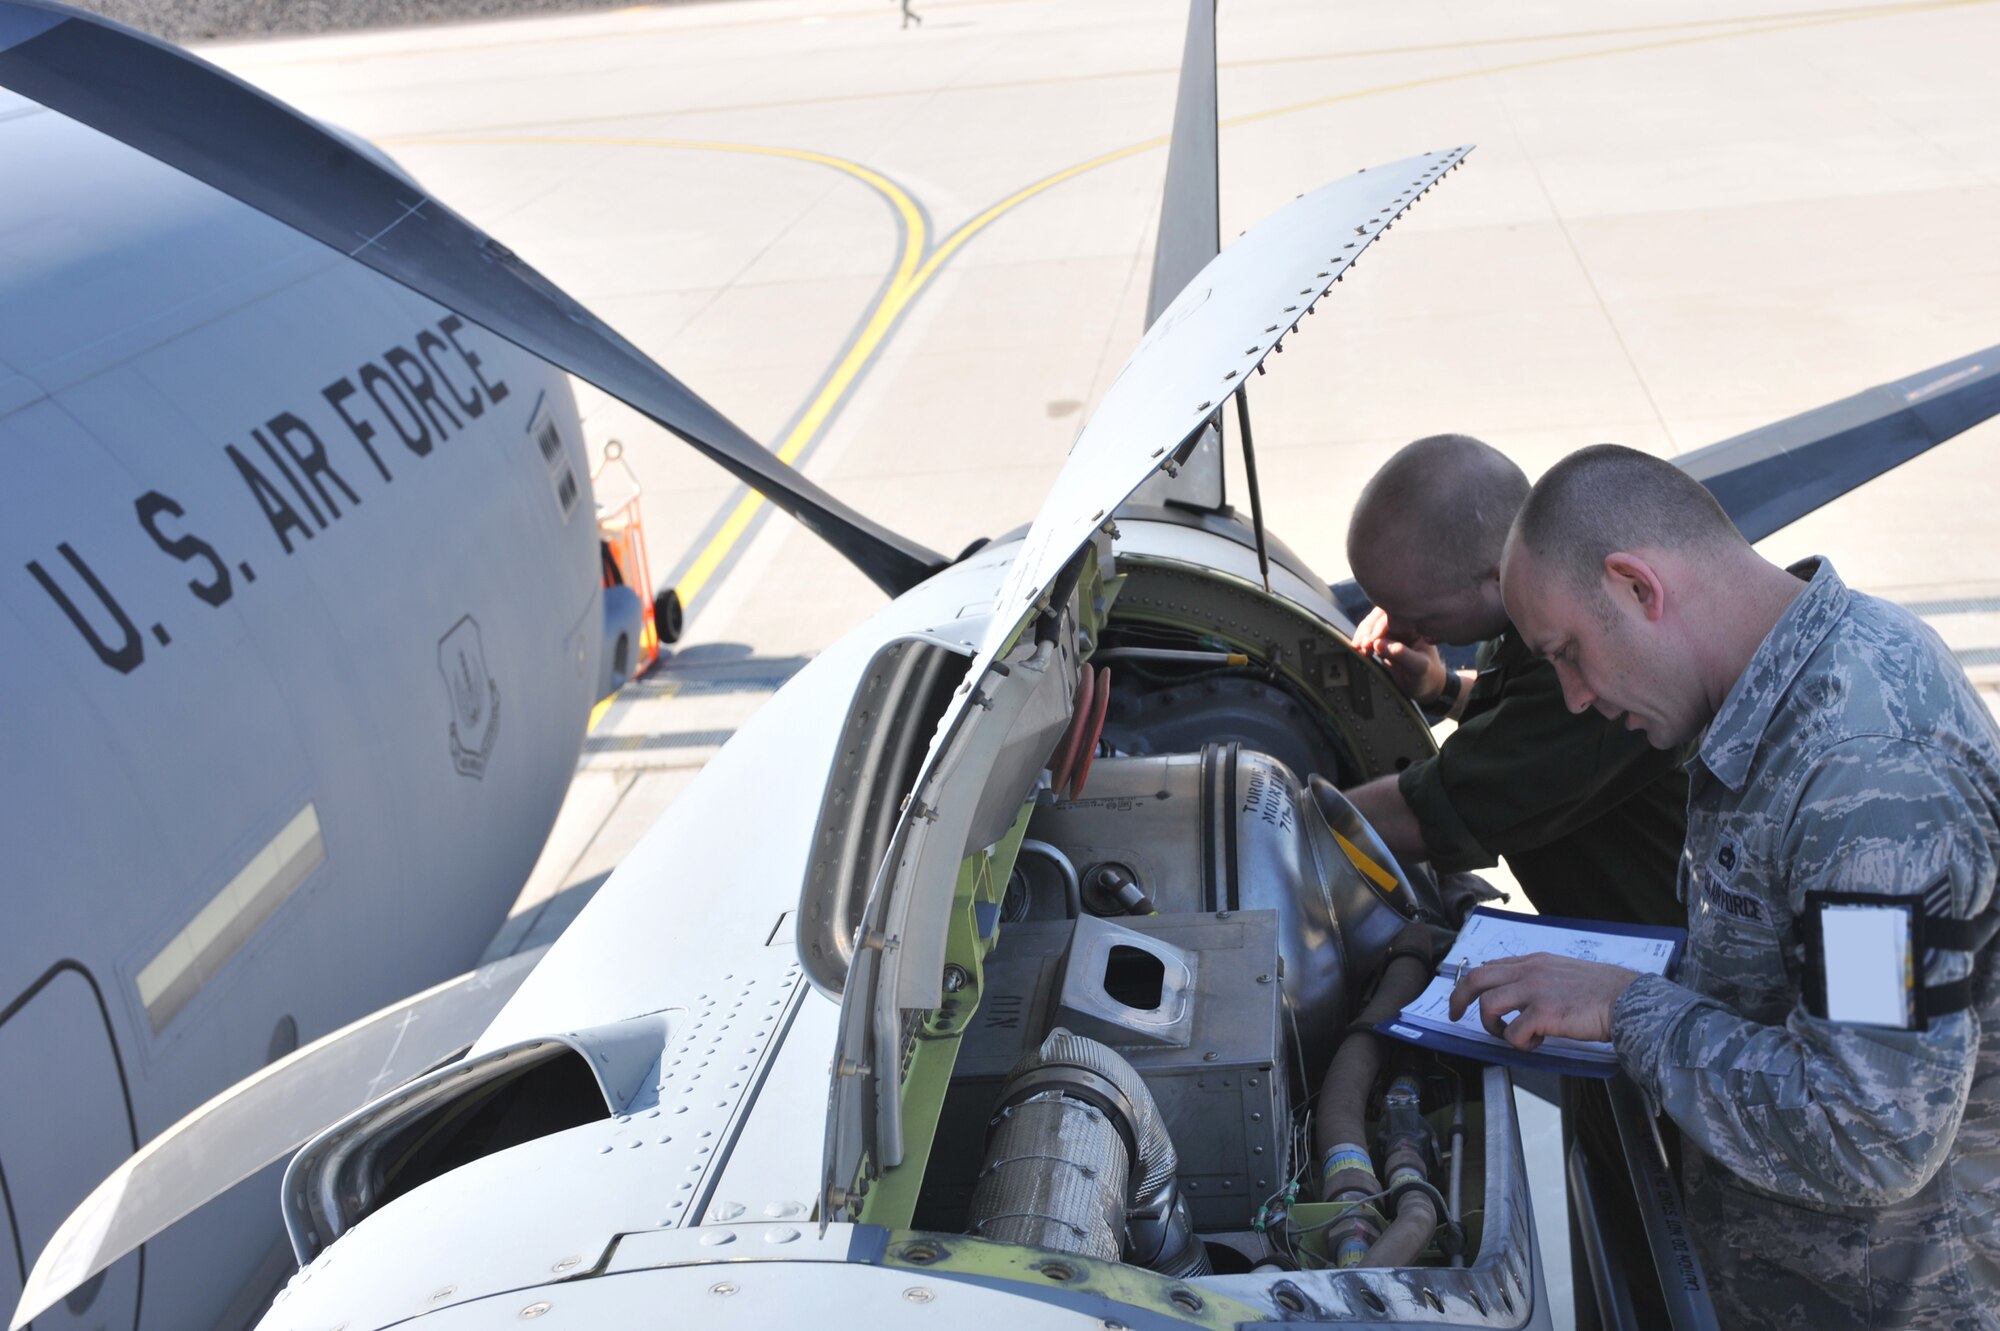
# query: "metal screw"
{"type": "Point", "coordinates": [918, 1294]}
{"type": "Point", "coordinates": [444, 1293]}
{"type": "Point", "coordinates": [1263, 979]}
{"type": "Point", "coordinates": [1210, 1056]}
{"type": "Point", "coordinates": [535, 1309]}
{"type": "Point", "coordinates": [722, 1288]}
{"type": "Point", "coordinates": [955, 978]}
{"type": "Point", "coordinates": [566, 1263]}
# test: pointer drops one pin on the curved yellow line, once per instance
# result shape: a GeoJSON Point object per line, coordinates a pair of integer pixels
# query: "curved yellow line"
{"type": "Point", "coordinates": [903, 285]}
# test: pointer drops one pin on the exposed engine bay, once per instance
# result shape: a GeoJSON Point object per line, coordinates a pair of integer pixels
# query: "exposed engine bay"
{"type": "Point", "coordinates": [1171, 1062]}
{"type": "Point", "coordinates": [1131, 1045]}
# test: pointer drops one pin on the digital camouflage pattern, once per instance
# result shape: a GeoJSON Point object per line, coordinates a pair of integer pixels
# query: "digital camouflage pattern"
{"type": "Point", "coordinates": [1837, 1175]}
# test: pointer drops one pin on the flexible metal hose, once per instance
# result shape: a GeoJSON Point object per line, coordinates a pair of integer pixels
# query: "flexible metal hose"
{"type": "Point", "coordinates": [1080, 1160]}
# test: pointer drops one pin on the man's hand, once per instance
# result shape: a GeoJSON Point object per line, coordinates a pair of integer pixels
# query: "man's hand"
{"type": "Point", "coordinates": [1554, 995]}
{"type": "Point", "coordinates": [1412, 661]}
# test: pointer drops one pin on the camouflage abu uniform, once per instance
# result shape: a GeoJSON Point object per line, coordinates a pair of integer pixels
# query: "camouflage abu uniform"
{"type": "Point", "coordinates": [1837, 1175]}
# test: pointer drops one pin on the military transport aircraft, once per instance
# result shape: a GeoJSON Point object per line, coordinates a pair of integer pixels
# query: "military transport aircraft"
{"type": "Point", "coordinates": [303, 623]}
{"type": "Point", "coordinates": [1027, 879]}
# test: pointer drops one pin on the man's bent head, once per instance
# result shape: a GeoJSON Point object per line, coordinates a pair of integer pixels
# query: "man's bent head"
{"type": "Point", "coordinates": [1427, 534]}
{"type": "Point", "coordinates": [1598, 573]}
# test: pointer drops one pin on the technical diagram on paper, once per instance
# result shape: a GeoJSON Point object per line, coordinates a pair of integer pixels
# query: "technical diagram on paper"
{"type": "Point", "coordinates": [1492, 935]}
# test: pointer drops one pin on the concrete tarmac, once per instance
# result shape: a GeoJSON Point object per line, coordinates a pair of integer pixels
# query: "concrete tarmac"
{"type": "Point", "coordinates": [914, 259]}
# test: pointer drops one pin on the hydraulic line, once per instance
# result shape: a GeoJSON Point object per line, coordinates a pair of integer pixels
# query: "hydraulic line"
{"type": "Point", "coordinates": [1408, 1151]}
{"type": "Point", "coordinates": [1347, 1170]}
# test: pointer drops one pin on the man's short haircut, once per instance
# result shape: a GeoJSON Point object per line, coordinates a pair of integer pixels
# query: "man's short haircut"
{"type": "Point", "coordinates": [1455, 495]}
{"type": "Point", "coordinates": [1608, 497]}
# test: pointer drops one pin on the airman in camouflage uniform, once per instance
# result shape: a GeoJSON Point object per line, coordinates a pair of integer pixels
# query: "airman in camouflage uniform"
{"type": "Point", "coordinates": [1838, 1174]}
{"type": "Point", "coordinates": [1843, 1175]}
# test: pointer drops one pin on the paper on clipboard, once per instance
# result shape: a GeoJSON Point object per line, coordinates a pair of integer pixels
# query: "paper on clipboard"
{"type": "Point", "coordinates": [1490, 935]}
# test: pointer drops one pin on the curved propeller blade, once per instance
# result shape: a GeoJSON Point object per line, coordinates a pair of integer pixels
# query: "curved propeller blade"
{"type": "Point", "coordinates": [178, 108]}
{"type": "Point", "coordinates": [1778, 473]}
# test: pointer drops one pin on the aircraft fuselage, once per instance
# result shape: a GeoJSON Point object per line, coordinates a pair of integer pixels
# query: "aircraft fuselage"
{"type": "Point", "coordinates": [303, 623]}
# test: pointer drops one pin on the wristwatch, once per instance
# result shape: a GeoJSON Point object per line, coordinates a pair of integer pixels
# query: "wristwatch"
{"type": "Point", "coordinates": [1446, 701]}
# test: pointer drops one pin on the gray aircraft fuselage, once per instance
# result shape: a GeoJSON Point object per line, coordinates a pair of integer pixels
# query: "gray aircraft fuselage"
{"type": "Point", "coordinates": [302, 624]}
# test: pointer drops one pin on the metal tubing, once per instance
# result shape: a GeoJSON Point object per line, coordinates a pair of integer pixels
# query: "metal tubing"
{"type": "Point", "coordinates": [1072, 886]}
{"type": "Point", "coordinates": [1171, 654]}
{"type": "Point", "coordinates": [1453, 1199]}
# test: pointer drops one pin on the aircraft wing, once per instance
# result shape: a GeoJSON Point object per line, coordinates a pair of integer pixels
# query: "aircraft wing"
{"type": "Point", "coordinates": [194, 117]}
{"type": "Point", "coordinates": [1775, 475]}
{"type": "Point", "coordinates": [263, 1119]}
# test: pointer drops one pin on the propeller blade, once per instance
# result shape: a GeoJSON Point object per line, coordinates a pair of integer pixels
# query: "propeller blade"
{"type": "Point", "coordinates": [262, 1119]}
{"type": "Point", "coordinates": [1775, 475]}
{"type": "Point", "coordinates": [1190, 207]}
{"type": "Point", "coordinates": [1190, 235]}
{"type": "Point", "coordinates": [178, 108]}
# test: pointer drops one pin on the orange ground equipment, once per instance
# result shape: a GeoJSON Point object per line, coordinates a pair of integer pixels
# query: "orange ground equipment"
{"type": "Point", "coordinates": [622, 536]}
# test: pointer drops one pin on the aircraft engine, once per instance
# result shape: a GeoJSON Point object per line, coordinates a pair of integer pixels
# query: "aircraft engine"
{"type": "Point", "coordinates": [1187, 936]}
{"type": "Point", "coordinates": [1228, 829]}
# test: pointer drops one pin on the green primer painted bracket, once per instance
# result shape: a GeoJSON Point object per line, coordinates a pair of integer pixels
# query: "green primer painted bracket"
{"type": "Point", "coordinates": [982, 881]}
{"type": "Point", "coordinates": [1084, 1284]}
